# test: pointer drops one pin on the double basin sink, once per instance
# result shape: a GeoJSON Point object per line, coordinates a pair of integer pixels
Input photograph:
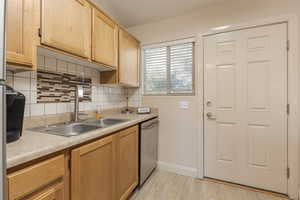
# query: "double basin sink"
{"type": "Point", "coordinates": [78, 128]}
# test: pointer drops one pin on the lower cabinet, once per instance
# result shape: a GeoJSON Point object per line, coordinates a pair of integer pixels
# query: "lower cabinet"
{"type": "Point", "coordinates": [42, 181]}
{"type": "Point", "coordinates": [55, 192]}
{"type": "Point", "coordinates": [127, 162]}
{"type": "Point", "coordinates": [93, 171]}
{"type": "Point", "coordinates": [107, 168]}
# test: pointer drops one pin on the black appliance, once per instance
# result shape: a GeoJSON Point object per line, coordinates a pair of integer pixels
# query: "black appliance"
{"type": "Point", "coordinates": [15, 106]}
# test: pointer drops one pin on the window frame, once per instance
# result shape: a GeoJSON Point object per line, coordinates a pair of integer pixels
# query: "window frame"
{"type": "Point", "coordinates": [168, 80]}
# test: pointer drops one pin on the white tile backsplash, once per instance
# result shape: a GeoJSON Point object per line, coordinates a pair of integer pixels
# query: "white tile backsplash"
{"type": "Point", "coordinates": [50, 109]}
{"type": "Point", "coordinates": [50, 64]}
{"type": "Point", "coordinates": [62, 108]}
{"type": "Point", "coordinates": [27, 110]}
{"type": "Point", "coordinates": [71, 68]}
{"type": "Point", "coordinates": [22, 84]}
{"type": "Point", "coordinates": [41, 62]}
{"type": "Point", "coordinates": [103, 97]}
{"type": "Point", "coordinates": [27, 96]}
{"type": "Point", "coordinates": [23, 75]}
{"type": "Point", "coordinates": [80, 70]}
{"type": "Point", "coordinates": [62, 66]}
{"type": "Point", "coordinates": [37, 109]}
{"type": "Point", "coordinates": [10, 81]}
{"type": "Point", "coordinates": [33, 97]}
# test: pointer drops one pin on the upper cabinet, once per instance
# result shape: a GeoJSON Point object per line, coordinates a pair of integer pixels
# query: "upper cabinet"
{"type": "Point", "coordinates": [74, 27]}
{"type": "Point", "coordinates": [129, 51]}
{"type": "Point", "coordinates": [104, 39]}
{"type": "Point", "coordinates": [19, 31]}
{"type": "Point", "coordinates": [66, 25]}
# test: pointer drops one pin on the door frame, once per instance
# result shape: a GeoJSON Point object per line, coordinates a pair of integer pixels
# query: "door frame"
{"type": "Point", "coordinates": [293, 93]}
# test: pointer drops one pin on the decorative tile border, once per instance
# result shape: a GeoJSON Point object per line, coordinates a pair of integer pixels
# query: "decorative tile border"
{"type": "Point", "coordinates": [55, 87]}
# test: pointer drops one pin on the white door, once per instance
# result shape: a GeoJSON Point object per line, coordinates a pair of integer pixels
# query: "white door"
{"type": "Point", "coordinates": [245, 95]}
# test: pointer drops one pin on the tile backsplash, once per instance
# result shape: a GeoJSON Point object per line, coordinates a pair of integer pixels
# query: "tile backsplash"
{"type": "Point", "coordinates": [102, 96]}
{"type": "Point", "coordinates": [57, 87]}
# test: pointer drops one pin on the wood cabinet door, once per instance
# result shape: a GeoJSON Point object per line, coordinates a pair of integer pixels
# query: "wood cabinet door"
{"type": "Point", "coordinates": [66, 25]}
{"type": "Point", "coordinates": [93, 171]}
{"type": "Point", "coordinates": [51, 193]}
{"type": "Point", "coordinates": [19, 26]}
{"type": "Point", "coordinates": [37, 181]}
{"type": "Point", "coordinates": [104, 39]}
{"type": "Point", "coordinates": [129, 51]}
{"type": "Point", "coordinates": [127, 162]}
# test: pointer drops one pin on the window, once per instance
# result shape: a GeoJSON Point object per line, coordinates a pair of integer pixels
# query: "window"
{"type": "Point", "coordinates": [169, 69]}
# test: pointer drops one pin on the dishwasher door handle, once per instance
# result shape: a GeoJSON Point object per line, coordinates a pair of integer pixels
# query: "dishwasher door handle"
{"type": "Point", "coordinates": [150, 125]}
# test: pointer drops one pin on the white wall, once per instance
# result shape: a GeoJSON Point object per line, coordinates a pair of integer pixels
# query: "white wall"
{"type": "Point", "coordinates": [178, 127]}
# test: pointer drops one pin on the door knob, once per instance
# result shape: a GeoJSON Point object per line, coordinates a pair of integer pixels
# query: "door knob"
{"type": "Point", "coordinates": [209, 115]}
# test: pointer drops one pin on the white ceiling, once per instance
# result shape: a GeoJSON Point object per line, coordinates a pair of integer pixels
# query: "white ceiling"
{"type": "Point", "coordinates": [135, 12]}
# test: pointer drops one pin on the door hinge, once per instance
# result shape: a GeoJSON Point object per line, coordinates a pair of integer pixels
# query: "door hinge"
{"type": "Point", "coordinates": [288, 172]}
{"type": "Point", "coordinates": [288, 109]}
{"type": "Point", "coordinates": [288, 45]}
{"type": "Point", "coordinates": [40, 32]}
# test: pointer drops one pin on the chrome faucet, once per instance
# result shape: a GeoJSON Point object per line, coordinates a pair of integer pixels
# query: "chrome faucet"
{"type": "Point", "coordinates": [78, 96]}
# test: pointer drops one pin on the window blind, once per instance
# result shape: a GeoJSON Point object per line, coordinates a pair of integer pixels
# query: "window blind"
{"type": "Point", "coordinates": [169, 69]}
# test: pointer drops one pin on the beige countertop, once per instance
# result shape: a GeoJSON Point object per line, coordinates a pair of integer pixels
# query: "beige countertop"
{"type": "Point", "coordinates": [34, 145]}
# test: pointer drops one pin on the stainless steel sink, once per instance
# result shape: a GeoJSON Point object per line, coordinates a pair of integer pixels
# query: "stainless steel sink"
{"type": "Point", "coordinates": [105, 122]}
{"type": "Point", "coordinates": [78, 128]}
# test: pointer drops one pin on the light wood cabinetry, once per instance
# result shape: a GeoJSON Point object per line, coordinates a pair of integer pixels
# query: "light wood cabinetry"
{"type": "Point", "coordinates": [93, 171]}
{"type": "Point", "coordinates": [129, 51]}
{"type": "Point", "coordinates": [127, 162]}
{"type": "Point", "coordinates": [110, 164]}
{"type": "Point", "coordinates": [73, 27]}
{"type": "Point", "coordinates": [104, 39]}
{"type": "Point", "coordinates": [66, 25]}
{"type": "Point", "coordinates": [19, 32]}
{"type": "Point", "coordinates": [55, 192]}
{"type": "Point", "coordinates": [42, 181]}
{"type": "Point", "coordinates": [103, 169]}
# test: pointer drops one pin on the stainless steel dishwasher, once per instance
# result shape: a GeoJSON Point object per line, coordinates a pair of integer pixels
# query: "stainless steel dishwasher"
{"type": "Point", "coordinates": [148, 148]}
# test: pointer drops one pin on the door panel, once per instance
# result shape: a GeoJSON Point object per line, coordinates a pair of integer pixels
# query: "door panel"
{"type": "Point", "coordinates": [127, 162]}
{"type": "Point", "coordinates": [93, 170]}
{"type": "Point", "coordinates": [67, 33]}
{"type": "Point", "coordinates": [105, 39]}
{"type": "Point", "coordinates": [221, 97]}
{"type": "Point", "coordinates": [226, 87]}
{"type": "Point", "coordinates": [19, 32]}
{"type": "Point", "coordinates": [129, 51]}
{"type": "Point", "coordinates": [246, 98]}
{"type": "Point", "coordinates": [266, 117]}
{"type": "Point", "coordinates": [258, 85]}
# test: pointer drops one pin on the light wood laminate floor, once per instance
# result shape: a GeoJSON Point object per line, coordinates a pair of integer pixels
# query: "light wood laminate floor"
{"type": "Point", "coordinates": [164, 185]}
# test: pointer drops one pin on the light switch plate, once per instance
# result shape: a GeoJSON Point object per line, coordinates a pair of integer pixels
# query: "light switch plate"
{"type": "Point", "coordinates": [184, 104]}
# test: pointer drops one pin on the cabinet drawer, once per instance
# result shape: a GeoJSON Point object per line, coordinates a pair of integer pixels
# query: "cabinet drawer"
{"type": "Point", "coordinates": [35, 177]}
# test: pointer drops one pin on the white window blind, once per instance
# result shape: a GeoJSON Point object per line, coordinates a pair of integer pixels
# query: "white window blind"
{"type": "Point", "coordinates": [169, 69]}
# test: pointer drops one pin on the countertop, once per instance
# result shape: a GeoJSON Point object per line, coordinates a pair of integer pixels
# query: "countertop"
{"type": "Point", "coordinates": [34, 145]}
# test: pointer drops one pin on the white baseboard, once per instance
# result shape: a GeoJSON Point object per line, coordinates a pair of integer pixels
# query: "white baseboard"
{"type": "Point", "coordinates": [178, 169]}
